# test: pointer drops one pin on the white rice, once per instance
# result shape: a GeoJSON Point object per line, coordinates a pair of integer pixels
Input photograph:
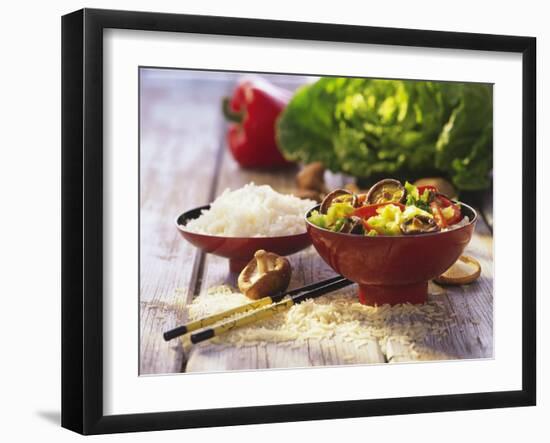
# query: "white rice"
{"type": "Point", "coordinates": [253, 211]}
{"type": "Point", "coordinates": [337, 315]}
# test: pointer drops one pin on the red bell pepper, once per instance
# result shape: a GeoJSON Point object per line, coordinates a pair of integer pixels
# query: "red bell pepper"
{"type": "Point", "coordinates": [441, 202]}
{"type": "Point", "coordinates": [368, 211]}
{"type": "Point", "coordinates": [438, 215]}
{"type": "Point", "coordinates": [444, 202]}
{"type": "Point", "coordinates": [253, 109]}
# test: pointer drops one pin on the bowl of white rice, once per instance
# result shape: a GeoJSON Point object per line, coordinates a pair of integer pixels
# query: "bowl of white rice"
{"type": "Point", "coordinates": [239, 222]}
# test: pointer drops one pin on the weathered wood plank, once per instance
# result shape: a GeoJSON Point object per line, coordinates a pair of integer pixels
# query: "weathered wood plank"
{"type": "Point", "coordinates": [214, 358]}
{"type": "Point", "coordinates": [469, 334]}
{"type": "Point", "coordinates": [171, 151]}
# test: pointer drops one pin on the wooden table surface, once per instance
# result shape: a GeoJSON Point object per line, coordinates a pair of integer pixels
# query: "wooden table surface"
{"type": "Point", "coordinates": [185, 163]}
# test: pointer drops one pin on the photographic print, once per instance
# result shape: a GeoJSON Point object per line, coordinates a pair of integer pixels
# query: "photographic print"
{"type": "Point", "coordinates": [270, 204]}
{"type": "Point", "coordinates": [292, 221]}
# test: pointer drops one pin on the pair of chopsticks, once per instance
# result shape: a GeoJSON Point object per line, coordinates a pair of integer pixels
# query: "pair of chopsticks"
{"type": "Point", "coordinates": [260, 309]}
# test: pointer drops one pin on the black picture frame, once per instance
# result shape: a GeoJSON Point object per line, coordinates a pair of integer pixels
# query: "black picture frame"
{"type": "Point", "coordinates": [82, 218]}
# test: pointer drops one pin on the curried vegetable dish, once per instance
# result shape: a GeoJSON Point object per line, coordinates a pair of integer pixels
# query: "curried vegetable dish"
{"type": "Point", "coordinates": [389, 208]}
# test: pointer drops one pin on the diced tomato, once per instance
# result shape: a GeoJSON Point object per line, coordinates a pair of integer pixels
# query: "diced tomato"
{"type": "Point", "coordinates": [370, 210]}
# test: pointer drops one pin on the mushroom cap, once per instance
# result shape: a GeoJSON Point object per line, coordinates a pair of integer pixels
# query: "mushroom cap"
{"type": "Point", "coordinates": [464, 271]}
{"type": "Point", "coordinates": [419, 224]}
{"type": "Point", "coordinates": [387, 190]}
{"type": "Point", "coordinates": [353, 225]}
{"type": "Point", "coordinates": [265, 275]}
{"type": "Point", "coordinates": [337, 194]}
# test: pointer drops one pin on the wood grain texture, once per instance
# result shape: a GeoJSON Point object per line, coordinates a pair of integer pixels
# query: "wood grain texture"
{"type": "Point", "coordinates": [471, 306]}
{"type": "Point", "coordinates": [181, 144]}
{"type": "Point", "coordinates": [180, 127]}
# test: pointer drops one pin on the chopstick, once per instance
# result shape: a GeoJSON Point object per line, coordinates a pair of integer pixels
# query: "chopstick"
{"type": "Point", "coordinates": [265, 301]}
{"type": "Point", "coordinates": [269, 310]}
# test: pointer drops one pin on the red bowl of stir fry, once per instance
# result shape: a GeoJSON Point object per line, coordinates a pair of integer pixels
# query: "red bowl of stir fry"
{"type": "Point", "coordinates": [392, 240]}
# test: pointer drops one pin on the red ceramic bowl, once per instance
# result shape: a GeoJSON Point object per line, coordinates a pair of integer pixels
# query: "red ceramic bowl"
{"type": "Point", "coordinates": [239, 250]}
{"type": "Point", "coordinates": [392, 269]}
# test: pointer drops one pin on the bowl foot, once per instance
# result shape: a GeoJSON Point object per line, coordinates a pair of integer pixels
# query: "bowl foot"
{"type": "Point", "coordinates": [416, 293]}
{"type": "Point", "coordinates": [236, 265]}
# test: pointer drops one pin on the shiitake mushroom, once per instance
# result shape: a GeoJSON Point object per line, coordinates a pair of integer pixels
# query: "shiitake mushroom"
{"type": "Point", "coordinates": [464, 271]}
{"type": "Point", "coordinates": [336, 196]}
{"type": "Point", "coordinates": [386, 191]}
{"type": "Point", "coordinates": [265, 275]}
{"type": "Point", "coordinates": [419, 224]}
{"type": "Point", "coordinates": [353, 225]}
{"type": "Point", "coordinates": [311, 177]}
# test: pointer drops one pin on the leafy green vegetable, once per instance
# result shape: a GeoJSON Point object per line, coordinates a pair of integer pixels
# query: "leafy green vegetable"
{"type": "Point", "coordinates": [415, 199]}
{"type": "Point", "coordinates": [413, 211]}
{"type": "Point", "coordinates": [372, 128]}
{"type": "Point", "coordinates": [337, 211]}
{"type": "Point", "coordinates": [412, 191]}
{"type": "Point", "coordinates": [318, 219]}
{"type": "Point", "coordinates": [388, 220]}
{"type": "Point", "coordinates": [334, 218]}
{"type": "Point", "coordinates": [448, 212]}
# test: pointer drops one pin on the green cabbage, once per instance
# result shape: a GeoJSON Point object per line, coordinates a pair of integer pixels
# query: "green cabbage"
{"type": "Point", "coordinates": [335, 216]}
{"type": "Point", "coordinates": [388, 220]}
{"type": "Point", "coordinates": [374, 129]}
{"type": "Point", "coordinates": [337, 211]}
